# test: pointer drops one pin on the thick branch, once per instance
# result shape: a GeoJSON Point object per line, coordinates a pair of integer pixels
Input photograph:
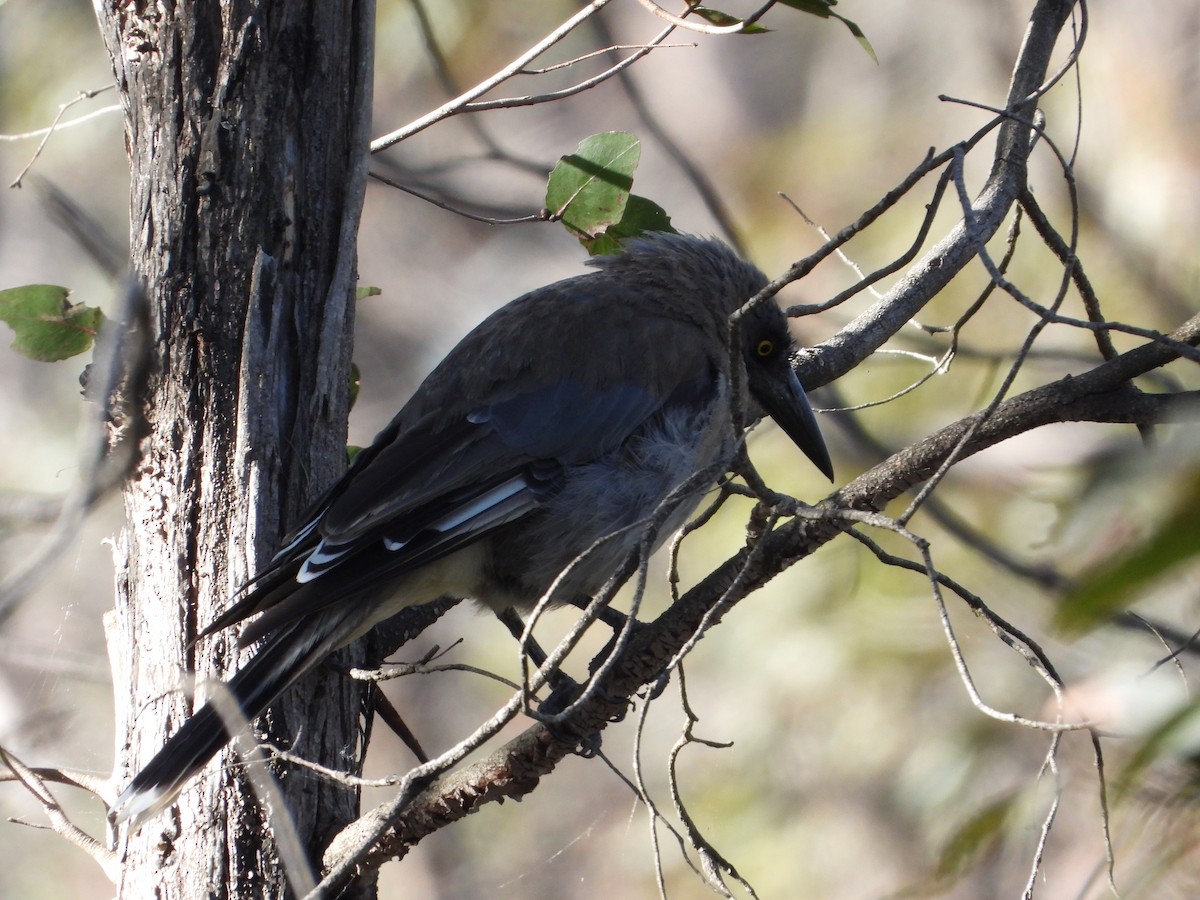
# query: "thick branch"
{"type": "Point", "coordinates": [869, 331]}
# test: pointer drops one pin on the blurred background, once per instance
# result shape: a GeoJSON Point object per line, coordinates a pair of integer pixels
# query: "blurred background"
{"type": "Point", "coordinates": [858, 766]}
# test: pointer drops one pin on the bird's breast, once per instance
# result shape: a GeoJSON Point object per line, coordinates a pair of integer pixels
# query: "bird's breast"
{"type": "Point", "coordinates": [607, 507]}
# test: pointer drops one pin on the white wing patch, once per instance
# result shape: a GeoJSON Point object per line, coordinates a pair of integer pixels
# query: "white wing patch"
{"type": "Point", "coordinates": [499, 505]}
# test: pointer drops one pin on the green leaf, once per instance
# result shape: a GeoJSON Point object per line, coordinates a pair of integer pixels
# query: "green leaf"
{"type": "Point", "coordinates": [824, 9]}
{"type": "Point", "coordinates": [641, 215]}
{"type": "Point", "coordinates": [858, 36]}
{"type": "Point", "coordinates": [362, 293]}
{"type": "Point", "coordinates": [46, 326]}
{"type": "Point", "coordinates": [587, 191]}
{"type": "Point", "coordinates": [821, 8]}
{"type": "Point", "coordinates": [590, 191]}
{"type": "Point", "coordinates": [605, 245]}
{"type": "Point", "coordinates": [723, 19]}
{"type": "Point", "coordinates": [1175, 736]}
{"type": "Point", "coordinates": [1175, 538]}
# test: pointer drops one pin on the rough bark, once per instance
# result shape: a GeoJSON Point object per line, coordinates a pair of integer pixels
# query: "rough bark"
{"type": "Point", "coordinates": [246, 131]}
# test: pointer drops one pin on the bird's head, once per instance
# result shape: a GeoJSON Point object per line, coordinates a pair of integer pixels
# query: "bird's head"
{"type": "Point", "coordinates": [767, 349]}
{"type": "Point", "coordinates": [704, 281]}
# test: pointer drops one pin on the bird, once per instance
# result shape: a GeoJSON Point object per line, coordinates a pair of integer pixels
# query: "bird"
{"type": "Point", "coordinates": [575, 413]}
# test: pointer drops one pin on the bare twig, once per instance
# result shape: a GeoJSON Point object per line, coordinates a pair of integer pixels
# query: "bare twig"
{"type": "Point", "coordinates": [610, 47]}
{"type": "Point", "coordinates": [540, 216]}
{"type": "Point", "coordinates": [58, 125]}
{"type": "Point", "coordinates": [59, 823]}
{"type": "Point", "coordinates": [700, 182]}
{"type": "Point", "coordinates": [1050, 764]}
{"type": "Point", "coordinates": [455, 106]}
{"type": "Point", "coordinates": [713, 865]}
{"type": "Point", "coordinates": [578, 88]}
{"type": "Point", "coordinates": [1105, 821]}
{"type": "Point", "coordinates": [870, 330]}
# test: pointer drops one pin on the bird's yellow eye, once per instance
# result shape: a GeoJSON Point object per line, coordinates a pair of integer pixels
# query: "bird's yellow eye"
{"type": "Point", "coordinates": [765, 347]}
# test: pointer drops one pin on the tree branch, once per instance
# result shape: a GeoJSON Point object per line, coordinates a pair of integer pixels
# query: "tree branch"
{"type": "Point", "coordinates": [868, 332]}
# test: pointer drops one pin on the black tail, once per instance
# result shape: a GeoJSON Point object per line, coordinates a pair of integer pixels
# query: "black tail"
{"type": "Point", "coordinates": [285, 656]}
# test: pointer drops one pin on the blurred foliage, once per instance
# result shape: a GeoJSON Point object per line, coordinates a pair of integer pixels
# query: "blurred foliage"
{"type": "Point", "coordinates": [1173, 539]}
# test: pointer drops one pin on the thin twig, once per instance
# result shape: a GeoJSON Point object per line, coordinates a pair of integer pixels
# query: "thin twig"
{"type": "Point", "coordinates": [60, 125]}
{"type": "Point", "coordinates": [455, 106]}
{"type": "Point", "coordinates": [539, 216]}
{"type": "Point", "coordinates": [56, 125]}
{"type": "Point", "coordinates": [1039, 853]}
{"type": "Point", "coordinates": [59, 823]}
{"type": "Point", "coordinates": [701, 183]}
{"type": "Point", "coordinates": [578, 88]}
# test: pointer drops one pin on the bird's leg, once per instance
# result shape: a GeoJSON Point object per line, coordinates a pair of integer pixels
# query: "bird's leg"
{"type": "Point", "coordinates": [563, 688]}
{"type": "Point", "coordinates": [381, 706]}
{"type": "Point", "coordinates": [557, 679]}
{"type": "Point", "coordinates": [614, 619]}
{"type": "Point", "coordinates": [566, 693]}
{"type": "Point", "coordinates": [391, 717]}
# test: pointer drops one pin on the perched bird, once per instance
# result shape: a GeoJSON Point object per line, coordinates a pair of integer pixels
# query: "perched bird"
{"type": "Point", "coordinates": [570, 414]}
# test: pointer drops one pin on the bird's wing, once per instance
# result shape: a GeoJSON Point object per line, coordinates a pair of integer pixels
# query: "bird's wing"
{"type": "Point", "coordinates": [422, 493]}
{"type": "Point", "coordinates": [483, 440]}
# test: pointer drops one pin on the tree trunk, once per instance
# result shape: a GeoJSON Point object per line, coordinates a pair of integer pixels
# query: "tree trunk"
{"type": "Point", "coordinates": [246, 131]}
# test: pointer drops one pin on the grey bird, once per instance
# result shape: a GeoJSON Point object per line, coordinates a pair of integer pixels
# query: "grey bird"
{"type": "Point", "coordinates": [571, 414]}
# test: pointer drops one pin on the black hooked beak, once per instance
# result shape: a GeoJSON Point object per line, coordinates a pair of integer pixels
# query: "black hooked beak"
{"type": "Point", "coordinates": [779, 392]}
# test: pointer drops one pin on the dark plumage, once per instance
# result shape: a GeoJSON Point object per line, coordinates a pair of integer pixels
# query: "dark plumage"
{"type": "Point", "coordinates": [569, 414]}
